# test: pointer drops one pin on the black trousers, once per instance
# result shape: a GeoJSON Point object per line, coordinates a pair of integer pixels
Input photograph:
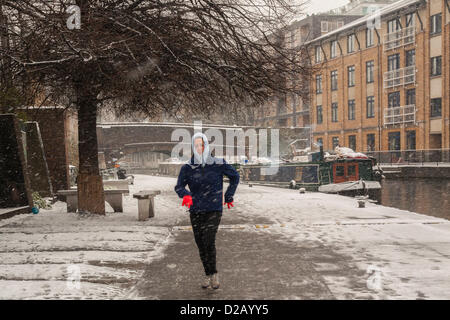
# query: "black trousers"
{"type": "Point", "coordinates": [205, 226]}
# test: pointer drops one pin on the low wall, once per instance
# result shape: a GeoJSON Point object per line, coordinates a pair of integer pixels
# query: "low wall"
{"type": "Point", "coordinates": [170, 169]}
{"type": "Point", "coordinates": [418, 172]}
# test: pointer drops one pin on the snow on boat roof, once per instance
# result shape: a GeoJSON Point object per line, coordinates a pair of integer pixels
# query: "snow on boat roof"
{"type": "Point", "coordinates": [382, 12]}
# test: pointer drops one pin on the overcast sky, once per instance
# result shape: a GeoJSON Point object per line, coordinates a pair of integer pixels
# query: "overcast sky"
{"type": "Point", "coordinates": [316, 6]}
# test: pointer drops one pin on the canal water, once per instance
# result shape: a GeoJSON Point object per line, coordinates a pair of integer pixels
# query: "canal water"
{"type": "Point", "coordinates": [427, 196]}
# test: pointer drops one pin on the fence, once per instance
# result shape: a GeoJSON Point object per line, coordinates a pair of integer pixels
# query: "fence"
{"type": "Point", "coordinates": [414, 157]}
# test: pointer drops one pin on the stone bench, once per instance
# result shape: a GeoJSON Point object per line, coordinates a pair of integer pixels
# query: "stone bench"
{"type": "Point", "coordinates": [116, 185]}
{"type": "Point", "coordinates": [113, 197]}
{"type": "Point", "coordinates": [146, 203]}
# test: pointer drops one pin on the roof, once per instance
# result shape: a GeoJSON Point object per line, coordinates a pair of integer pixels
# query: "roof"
{"type": "Point", "coordinates": [107, 125]}
{"type": "Point", "coordinates": [363, 20]}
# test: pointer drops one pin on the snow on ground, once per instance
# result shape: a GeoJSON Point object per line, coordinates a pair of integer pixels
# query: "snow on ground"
{"type": "Point", "coordinates": [406, 255]}
{"type": "Point", "coordinates": [37, 252]}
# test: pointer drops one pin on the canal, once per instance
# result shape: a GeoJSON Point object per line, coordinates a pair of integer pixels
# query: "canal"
{"type": "Point", "coordinates": [427, 196]}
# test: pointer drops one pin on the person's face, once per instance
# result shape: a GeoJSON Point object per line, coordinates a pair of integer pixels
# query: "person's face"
{"type": "Point", "coordinates": [199, 145]}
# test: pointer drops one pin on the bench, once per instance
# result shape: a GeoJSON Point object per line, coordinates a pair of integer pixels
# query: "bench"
{"type": "Point", "coordinates": [146, 203]}
{"type": "Point", "coordinates": [116, 185]}
{"type": "Point", "coordinates": [113, 197]}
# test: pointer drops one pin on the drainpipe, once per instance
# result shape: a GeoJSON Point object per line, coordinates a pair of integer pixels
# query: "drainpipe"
{"type": "Point", "coordinates": [380, 84]}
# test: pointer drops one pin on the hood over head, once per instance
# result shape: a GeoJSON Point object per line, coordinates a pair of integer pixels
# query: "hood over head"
{"type": "Point", "coordinates": [206, 156]}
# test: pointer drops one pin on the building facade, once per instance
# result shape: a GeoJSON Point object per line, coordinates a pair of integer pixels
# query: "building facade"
{"type": "Point", "coordinates": [292, 110]}
{"type": "Point", "coordinates": [382, 81]}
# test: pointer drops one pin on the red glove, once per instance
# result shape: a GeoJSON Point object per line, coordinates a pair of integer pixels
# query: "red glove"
{"type": "Point", "coordinates": [187, 201]}
{"type": "Point", "coordinates": [229, 204]}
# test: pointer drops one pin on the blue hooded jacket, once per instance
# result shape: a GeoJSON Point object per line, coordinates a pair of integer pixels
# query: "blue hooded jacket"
{"type": "Point", "coordinates": [204, 176]}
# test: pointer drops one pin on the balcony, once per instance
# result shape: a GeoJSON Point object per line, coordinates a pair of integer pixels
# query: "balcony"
{"type": "Point", "coordinates": [400, 115]}
{"type": "Point", "coordinates": [399, 38]}
{"type": "Point", "coordinates": [399, 77]}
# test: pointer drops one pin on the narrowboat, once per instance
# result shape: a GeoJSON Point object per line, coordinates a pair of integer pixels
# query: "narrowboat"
{"type": "Point", "coordinates": [350, 176]}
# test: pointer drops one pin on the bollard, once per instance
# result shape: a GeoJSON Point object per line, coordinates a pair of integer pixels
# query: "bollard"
{"type": "Point", "coordinates": [302, 190]}
{"type": "Point", "coordinates": [361, 203]}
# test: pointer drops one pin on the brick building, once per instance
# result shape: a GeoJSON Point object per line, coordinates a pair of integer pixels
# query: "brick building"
{"type": "Point", "coordinates": [59, 132]}
{"type": "Point", "coordinates": [382, 81]}
{"type": "Point", "coordinates": [292, 110]}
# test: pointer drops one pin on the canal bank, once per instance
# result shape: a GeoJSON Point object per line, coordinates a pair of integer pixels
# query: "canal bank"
{"type": "Point", "coordinates": [441, 170]}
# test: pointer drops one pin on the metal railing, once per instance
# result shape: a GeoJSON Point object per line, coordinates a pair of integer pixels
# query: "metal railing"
{"type": "Point", "coordinates": [429, 157]}
{"type": "Point", "coordinates": [399, 38]}
{"type": "Point", "coordinates": [400, 115]}
{"type": "Point", "coordinates": [400, 77]}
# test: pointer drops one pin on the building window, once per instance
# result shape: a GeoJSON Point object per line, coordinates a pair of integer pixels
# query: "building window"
{"type": "Point", "coordinates": [411, 140]}
{"type": "Point", "coordinates": [410, 20]}
{"type": "Point", "coordinates": [394, 140]}
{"type": "Point", "coordinates": [369, 71]}
{"type": "Point", "coordinates": [324, 26]}
{"type": "Point", "coordinates": [370, 107]}
{"type": "Point", "coordinates": [350, 43]}
{"type": "Point", "coordinates": [333, 49]}
{"type": "Point", "coordinates": [436, 23]}
{"type": "Point", "coordinates": [394, 62]}
{"type": "Point", "coordinates": [334, 80]}
{"type": "Point", "coordinates": [393, 26]}
{"type": "Point", "coordinates": [371, 142]}
{"type": "Point", "coordinates": [369, 37]}
{"type": "Point", "coordinates": [335, 142]}
{"type": "Point", "coordinates": [394, 99]}
{"type": "Point", "coordinates": [351, 109]}
{"type": "Point", "coordinates": [436, 66]}
{"type": "Point", "coordinates": [281, 105]}
{"type": "Point", "coordinates": [319, 83]}
{"type": "Point", "coordinates": [410, 58]}
{"type": "Point", "coordinates": [334, 112]}
{"type": "Point", "coordinates": [436, 107]}
{"type": "Point", "coordinates": [318, 54]}
{"type": "Point", "coordinates": [352, 142]}
{"type": "Point", "coordinates": [351, 76]}
{"type": "Point", "coordinates": [319, 114]}
{"type": "Point", "coordinates": [320, 141]}
{"type": "Point", "coordinates": [410, 97]}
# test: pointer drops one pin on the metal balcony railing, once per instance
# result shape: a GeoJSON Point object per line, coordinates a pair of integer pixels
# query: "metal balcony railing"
{"type": "Point", "coordinates": [399, 38]}
{"type": "Point", "coordinates": [430, 157]}
{"type": "Point", "coordinates": [400, 115]}
{"type": "Point", "coordinates": [399, 77]}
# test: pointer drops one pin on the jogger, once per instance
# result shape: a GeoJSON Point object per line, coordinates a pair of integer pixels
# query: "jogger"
{"type": "Point", "coordinates": [204, 176]}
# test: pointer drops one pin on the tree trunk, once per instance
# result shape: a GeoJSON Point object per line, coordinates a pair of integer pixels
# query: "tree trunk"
{"type": "Point", "coordinates": [91, 198]}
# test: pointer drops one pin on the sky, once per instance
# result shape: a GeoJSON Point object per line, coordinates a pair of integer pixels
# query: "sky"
{"type": "Point", "coordinates": [316, 6]}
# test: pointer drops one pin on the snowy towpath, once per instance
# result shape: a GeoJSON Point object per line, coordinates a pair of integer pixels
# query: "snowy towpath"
{"type": "Point", "coordinates": [274, 244]}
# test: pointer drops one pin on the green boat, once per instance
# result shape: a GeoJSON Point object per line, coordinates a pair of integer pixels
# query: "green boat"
{"type": "Point", "coordinates": [346, 176]}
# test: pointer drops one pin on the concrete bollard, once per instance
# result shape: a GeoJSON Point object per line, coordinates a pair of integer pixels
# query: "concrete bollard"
{"type": "Point", "coordinates": [361, 203]}
{"type": "Point", "coordinates": [302, 190]}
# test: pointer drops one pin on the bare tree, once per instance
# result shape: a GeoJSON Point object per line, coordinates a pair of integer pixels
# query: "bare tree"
{"type": "Point", "coordinates": [149, 56]}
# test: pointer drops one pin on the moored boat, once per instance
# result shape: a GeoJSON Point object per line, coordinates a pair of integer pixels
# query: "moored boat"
{"type": "Point", "coordinates": [350, 174]}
